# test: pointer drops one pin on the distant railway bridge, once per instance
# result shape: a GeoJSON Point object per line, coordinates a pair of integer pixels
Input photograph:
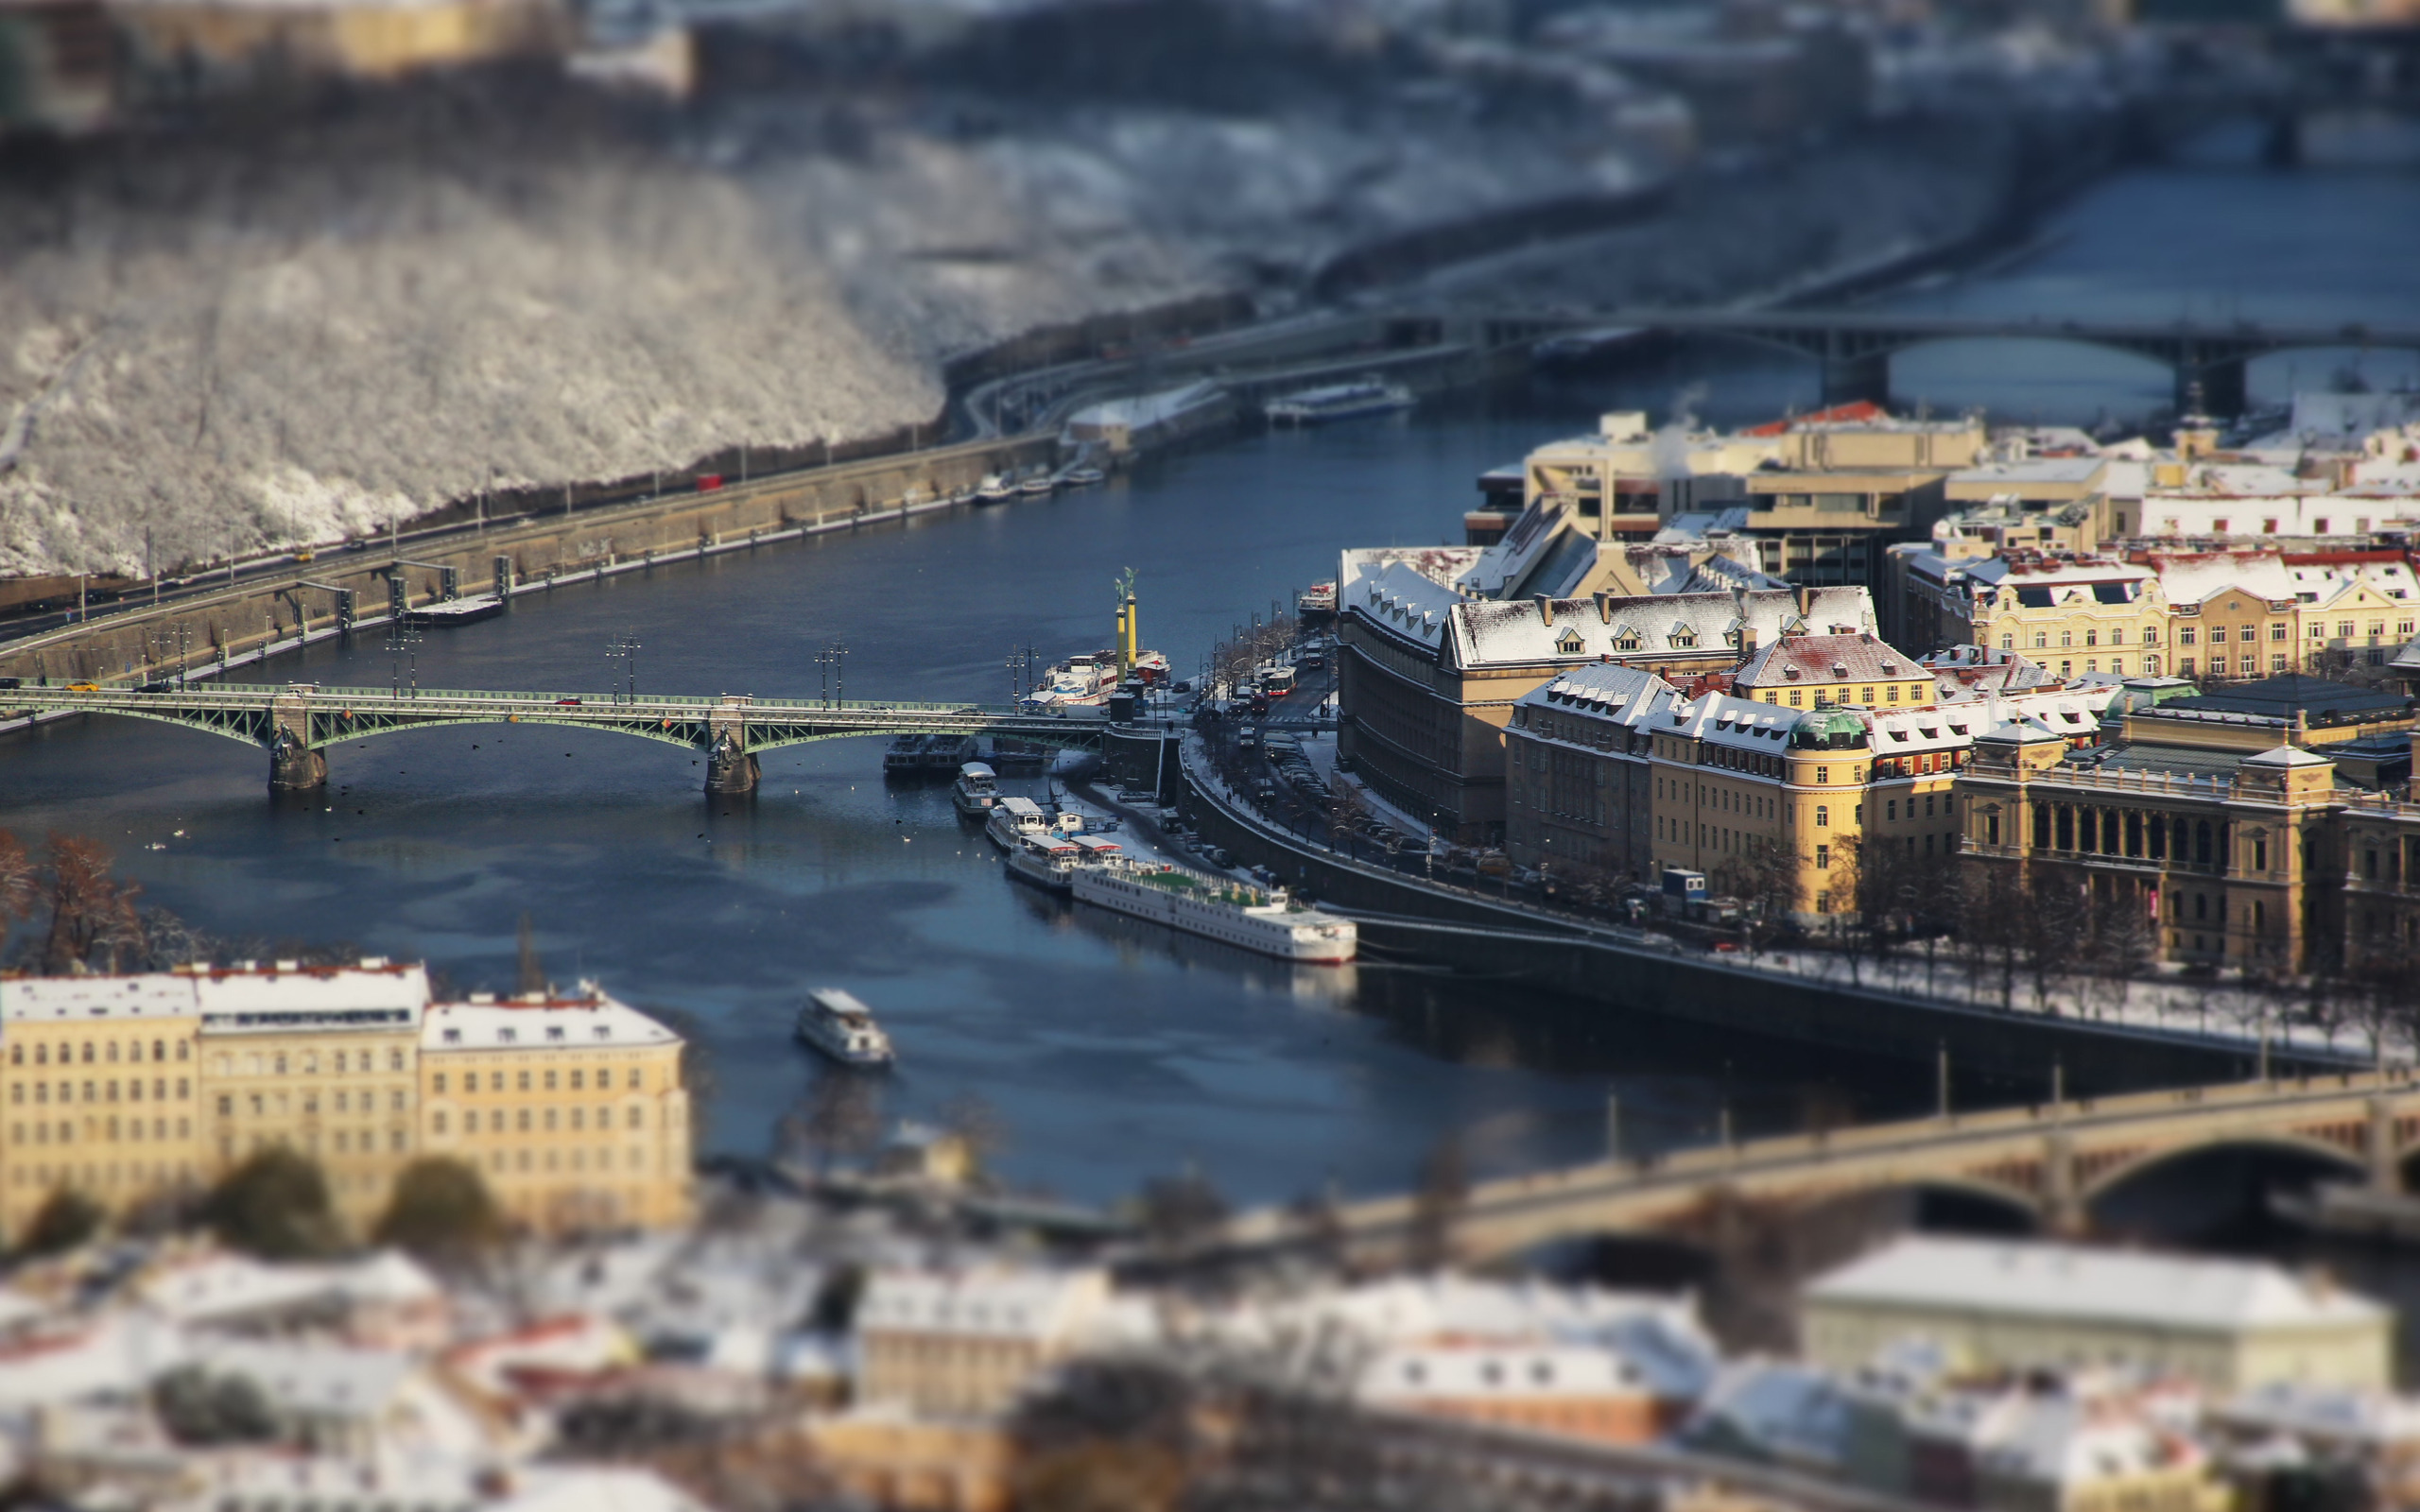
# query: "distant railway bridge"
{"type": "Point", "coordinates": [2050, 1161]}
{"type": "Point", "coordinates": [295, 723]}
{"type": "Point", "coordinates": [1855, 347]}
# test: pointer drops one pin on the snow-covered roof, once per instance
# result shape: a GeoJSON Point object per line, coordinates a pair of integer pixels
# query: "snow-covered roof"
{"type": "Point", "coordinates": [994, 1302]}
{"type": "Point", "coordinates": [115, 1357]}
{"type": "Point", "coordinates": [1819, 660]}
{"type": "Point", "coordinates": [1606, 690]}
{"type": "Point", "coordinates": [592, 1022]}
{"type": "Point", "coordinates": [1466, 1370]}
{"type": "Point", "coordinates": [2069, 471]}
{"type": "Point", "coordinates": [1794, 1411]}
{"type": "Point", "coordinates": [283, 997]}
{"type": "Point", "coordinates": [2194, 579]}
{"type": "Point", "coordinates": [35, 999]}
{"type": "Point", "coordinates": [1645, 628]}
{"type": "Point", "coordinates": [219, 1285]}
{"type": "Point", "coordinates": [2051, 1280]}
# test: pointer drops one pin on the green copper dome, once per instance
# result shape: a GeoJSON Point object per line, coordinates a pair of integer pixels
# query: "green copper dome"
{"type": "Point", "coordinates": [1829, 729]}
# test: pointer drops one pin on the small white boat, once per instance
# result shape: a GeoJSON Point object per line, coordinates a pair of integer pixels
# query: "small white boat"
{"type": "Point", "coordinates": [1314, 406]}
{"type": "Point", "coordinates": [1012, 819]}
{"type": "Point", "coordinates": [1084, 478]}
{"type": "Point", "coordinates": [837, 1024]}
{"type": "Point", "coordinates": [975, 791]}
{"type": "Point", "coordinates": [1039, 483]}
{"type": "Point", "coordinates": [1047, 862]}
{"type": "Point", "coordinates": [994, 489]}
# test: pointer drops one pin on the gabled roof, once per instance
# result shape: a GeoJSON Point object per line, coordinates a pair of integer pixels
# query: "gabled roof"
{"type": "Point", "coordinates": [1820, 661]}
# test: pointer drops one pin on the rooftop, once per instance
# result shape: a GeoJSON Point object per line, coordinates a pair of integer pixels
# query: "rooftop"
{"type": "Point", "coordinates": [2293, 693]}
{"type": "Point", "coordinates": [2051, 1280]}
{"type": "Point", "coordinates": [536, 1022]}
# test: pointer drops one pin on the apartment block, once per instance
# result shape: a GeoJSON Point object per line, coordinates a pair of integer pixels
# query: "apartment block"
{"type": "Point", "coordinates": [132, 1088]}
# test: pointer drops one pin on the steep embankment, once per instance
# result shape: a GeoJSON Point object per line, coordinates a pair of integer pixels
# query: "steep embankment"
{"type": "Point", "coordinates": [301, 331]}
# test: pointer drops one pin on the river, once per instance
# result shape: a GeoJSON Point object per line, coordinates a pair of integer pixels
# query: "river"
{"type": "Point", "coordinates": [1110, 1053]}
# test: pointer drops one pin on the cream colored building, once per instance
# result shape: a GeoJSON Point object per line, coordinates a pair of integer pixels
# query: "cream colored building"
{"type": "Point", "coordinates": [965, 1344]}
{"type": "Point", "coordinates": [102, 1090]}
{"type": "Point", "coordinates": [571, 1107]}
{"type": "Point", "coordinates": [365, 38]}
{"type": "Point", "coordinates": [126, 1088]}
{"type": "Point", "coordinates": [2001, 1305]}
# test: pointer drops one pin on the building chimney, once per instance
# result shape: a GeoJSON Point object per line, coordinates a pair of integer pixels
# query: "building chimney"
{"type": "Point", "coordinates": [1604, 607]}
{"type": "Point", "coordinates": [1805, 601]}
{"type": "Point", "coordinates": [1546, 609]}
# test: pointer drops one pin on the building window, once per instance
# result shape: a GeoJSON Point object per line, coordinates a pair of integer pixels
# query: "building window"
{"type": "Point", "coordinates": [1822, 815]}
{"type": "Point", "coordinates": [1823, 863]}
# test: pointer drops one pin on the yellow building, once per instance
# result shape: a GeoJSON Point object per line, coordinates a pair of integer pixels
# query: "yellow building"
{"type": "Point", "coordinates": [1818, 671]}
{"type": "Point", "coordinates": [239, 39]}
{"type": "Point", "coordinates": [2075, 615]}
{"type": "Point", "coordinates": [1610, 769]}
{"type": "Point", "coordinates": [125, 1088]}
{"type": "Point", "coordinates": [101, 1093]}
{"type": "Point", "coordinates": [319, 1059]}
{"type": "Point", "coordinates": [1997, 1305]}
{"type": "Point", "coordinates": [572, 1108]}
{"type": "Point", "coordinates": [965, 1344]}
{"type": "Point", "coordinates": [2236, 615]}
{"type": "Point", "coordinates": [1427, 675]}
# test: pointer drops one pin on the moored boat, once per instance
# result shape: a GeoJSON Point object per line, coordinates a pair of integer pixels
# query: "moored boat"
{"type": "Point", "coordinates": [1046, 861]}
{"type": "Point", "coordinates": [837, 1024]}
{"type": "Point", "coordinates": [1013, 818]}
{"type": "Point", "coordinates": [1039, 483]}
{"type": "Point", "coordinates": [976, 790]}
{"type": "Point", "coordinates": [1263, 920]}
{"type": "Point", "coordinates": [994, 489]}
{"type": "Point", "coordinates": [1315, 406]}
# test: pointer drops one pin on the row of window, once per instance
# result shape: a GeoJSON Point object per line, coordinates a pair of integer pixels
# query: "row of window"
{"type": "Point", "coordinates": [280, 1063]}
{"type": "Point", "coordinates": [100, 1091]}
{"type": "Point", "coordinates": [635, 1117]}
{"type": "Point", "coordinates": [496, 1080]}
{"type": "Point", "coordinates": [2130, 832]}
{"type": "Point", "coordinates": [64, 1130]}
{"type": "Point", "coordinates": [506, 1161]}
{"type": "Point", "coordinates": [265, 1104]}
{"type": "Point", "coordinates": [105, 1176]}
{"type": "Point", "coordinates": [97, 1051]}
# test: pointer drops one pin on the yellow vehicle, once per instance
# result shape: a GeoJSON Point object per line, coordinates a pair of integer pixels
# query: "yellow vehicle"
{"type": "Point", "coordinates": [84, 687]}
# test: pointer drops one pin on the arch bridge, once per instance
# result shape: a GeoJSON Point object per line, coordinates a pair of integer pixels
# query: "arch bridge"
{"type": "Point", "coordinates": [295, 723]}
{"type": "Point", "coordinates": [1855, 347]}
{"type": "Point", "coordinates": [2050, 1160]}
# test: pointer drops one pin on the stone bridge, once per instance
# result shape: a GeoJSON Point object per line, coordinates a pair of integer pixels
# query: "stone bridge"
{"type": "Point", "coordinates": [1855, 347]}
{"type": "Point", "coordinates": [2050, 1161]}
{"type": "Point", "coordinates": [295, 723]}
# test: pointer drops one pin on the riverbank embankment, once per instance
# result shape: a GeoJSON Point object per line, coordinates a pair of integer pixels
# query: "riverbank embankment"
{"type": "Point", "coordinates": [1639, 971]}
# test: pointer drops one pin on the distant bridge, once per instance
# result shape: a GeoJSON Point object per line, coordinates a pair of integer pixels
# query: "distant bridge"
{"type": "Point", "coordinates": [1855, 347]}
{"type": "Point", "coordinates": [2050, 1161]}
{"type": "Point", "coordinates": [295, 722]}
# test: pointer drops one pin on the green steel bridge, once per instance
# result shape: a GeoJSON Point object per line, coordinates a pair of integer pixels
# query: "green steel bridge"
{"type": "Point", "coordinates": [295, 723]}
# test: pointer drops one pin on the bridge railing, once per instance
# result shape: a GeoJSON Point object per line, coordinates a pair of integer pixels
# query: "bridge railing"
{"type": "Point", "coordinates": [248, 692]}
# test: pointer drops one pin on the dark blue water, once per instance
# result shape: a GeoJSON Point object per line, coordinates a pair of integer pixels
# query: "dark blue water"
{"type": "Point", "coordinates": [1110, 1052]}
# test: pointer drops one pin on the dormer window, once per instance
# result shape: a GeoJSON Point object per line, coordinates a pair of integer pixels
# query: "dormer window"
{"type": "Point", "coordinates": [554, 1031]}
{"type": "Point", "coordinates": [453, 1037]}
{"type": "Point", "coordinates": [1567, 644]}
{"type": "Point", "coordinates": [603, 1032]}
{"type": "Point", "coordinates": [1731, 637]}
{"type": "Point", "coordinates": [506, 1035]}
{"type": "Point", "coordinates": [1682, 640]}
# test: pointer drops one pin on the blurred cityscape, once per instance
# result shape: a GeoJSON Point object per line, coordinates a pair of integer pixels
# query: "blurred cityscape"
{"type": "Point", "coordinates": [1846, 937]}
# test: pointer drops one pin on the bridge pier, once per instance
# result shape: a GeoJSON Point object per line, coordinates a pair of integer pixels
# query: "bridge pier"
{"type": "Point", "coordinates": [2217, 389]}
{"type": "Point", "coordinates": [1849, 378]}
{"type": "Point", "coordinates": [729, 766]}
{"type": "Point", "coordinates": [294, 767]}
{"type": "Point", "coordinates": [2063, 1207]}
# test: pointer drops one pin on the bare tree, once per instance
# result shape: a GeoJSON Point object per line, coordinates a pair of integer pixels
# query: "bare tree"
{"type": "Point", "coordinates": [1763, 875]}
{"type": "Point", "coordinates": [89, 911]}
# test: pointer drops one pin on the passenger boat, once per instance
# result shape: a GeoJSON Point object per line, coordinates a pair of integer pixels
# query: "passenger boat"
{"type": "Point", "coordinates": [977, 789]}
{"type": "Point", "coordinates": [1320, 598]}
{"type": "Point", "coordinates": [1084, 478]}
{"type": "Point", "coordinates": [1039, 483]}
{"type": "Point", "coordinates": [1047, 862]}
{"type": "Point", "coordinates": [1256, 918]}
{"type": "Point", "coordinates": [1013, 818]}
{"type": "Point", "coordinates": [1316, 406]}
{"type": "Point", "coordinates": [994, 489]}
{"type": "Point", "coordinates": [1095, 847]}
{"type": "Point", "coordinates": [837, 1024]}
